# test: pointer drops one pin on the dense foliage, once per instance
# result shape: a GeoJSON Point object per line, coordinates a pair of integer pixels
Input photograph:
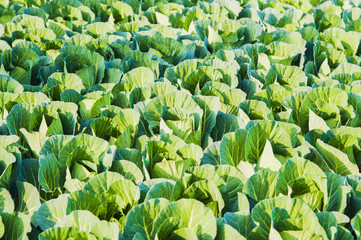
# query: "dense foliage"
{"type": "Point", "coordinates": [180, 119]}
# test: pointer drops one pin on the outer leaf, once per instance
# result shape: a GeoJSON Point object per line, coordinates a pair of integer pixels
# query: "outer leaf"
{"type": "Point", "coordinates": [356, 224]}
{"type": "Point", "coordinates": [141, 218]}
{"type": "Point", "coordinates": [51, 174]}
{"type": "Point", "coordinates": [6, 202]}
{"type": "Point", "coordinates": [28, 200]}
{"type": "Point", "coordinates": [232, 147]}
{"type": "Point", "coordinates": [336, 160]}
{"type": "Point", "coordinates": [83, 220]}
{"type": "Point", "coordinates": [193, 213]}
{"type": "Point", "coordinates": [17, 226]}
{"type": "Point", "coordinates": [52, 211]}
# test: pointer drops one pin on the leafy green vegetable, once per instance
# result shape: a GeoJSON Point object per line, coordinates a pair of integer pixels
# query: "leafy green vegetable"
{"type": "Point", "coordinates": [180, 119]}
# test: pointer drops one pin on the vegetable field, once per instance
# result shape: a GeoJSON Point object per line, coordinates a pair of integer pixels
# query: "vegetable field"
{"type": "Point", "coordinates": [180, 119]}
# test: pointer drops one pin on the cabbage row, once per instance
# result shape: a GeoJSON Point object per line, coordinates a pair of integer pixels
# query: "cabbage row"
{"type": "Point", "coordinates": [180, 119]}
